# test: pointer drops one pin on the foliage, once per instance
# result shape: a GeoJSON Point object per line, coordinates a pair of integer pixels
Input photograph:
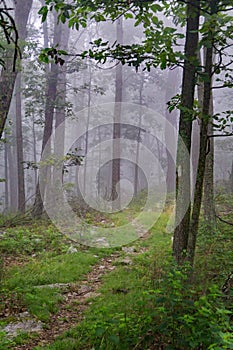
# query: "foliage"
{"type": "Point", "coordinates": [10, 33]}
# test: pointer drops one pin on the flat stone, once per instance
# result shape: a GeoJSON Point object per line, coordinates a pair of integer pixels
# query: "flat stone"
{"type": "Point", "coordinates": [55, 285]}
{"type": "Point", "coordinates": [101, 242]}
{"type": "Point", "coordinates": [84, 289]}
{"type": "Point", "coordinates": [27, 326]}
{"type": "Point", "coordinates": [128, 249]}
{"type": "Point", "coordinates": [92, 295]}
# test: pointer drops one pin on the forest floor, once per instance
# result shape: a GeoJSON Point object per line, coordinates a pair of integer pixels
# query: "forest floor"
{"type": "Point", "coordinates": [69, 297]}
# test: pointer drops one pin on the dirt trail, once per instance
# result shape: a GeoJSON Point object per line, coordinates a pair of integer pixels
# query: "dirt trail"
{"type": "Point", "coordinates": [74, 304]}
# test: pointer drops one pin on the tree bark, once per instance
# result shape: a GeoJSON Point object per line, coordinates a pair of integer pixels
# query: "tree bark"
{"type": "Point", "coordinates": [208, 200]}
{"type": "Point", "coordinates": [12, 179]}
{"type": "Point", "coordinates": [60, 113]}
{"type": "Point", "coordinates": [19, 145]}
{"type": "Point", "coordinates": [51, 94]}
{"type": "Point", "coordinates": [181, 233]}
{"type": "Point", "coordinates": [171, 90]}
{"type": "Point", "coordinates": [87, 128]}
{"type": "Point", "coordinates": [136, 168]}
{"type": "Point", "coordinates": [115, 195]}
{"type": "Point", "coordinates": [202, 156]}
{"type": "Point", "coordinates": [6, 177]}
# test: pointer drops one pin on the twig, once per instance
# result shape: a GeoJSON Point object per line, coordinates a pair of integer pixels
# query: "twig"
{"type": "Point", "coordinates": [223, 220]}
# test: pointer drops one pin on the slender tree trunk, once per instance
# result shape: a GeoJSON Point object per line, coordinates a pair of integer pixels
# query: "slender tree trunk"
{"type": "Point", "coordinates": [231, 178]}
{"type": "Point", "coordinates": [19, 145]}
{"type": "Point", "coordinates": [60, 113]}
{"type": "Point", "coordinates": [6, 178]}
{"type": "Point", "coordinates": [172, 89]}
{"type": "Point", "coordinates": [202, 156]}
{"type": "Point", "coordinates": [208, 200]}
{"type": "Point", "coordinates": [115, 196]}
{"type": "Point", "coordinates": [34, 150]}
{"type": "Point", "coordinates": [38, 206]}
{"type": "Point", "coordinates": [13, 179]}
{"type": "Point", "coordinates": [136, 179]}
{"type": "Point", "coordinates": [87, 128]}
{"type": "Point", "coordinates": [203, 143]}
{"type": "Point", "coordinates": [195, 150]}
{"type": "Point", "coordinates": [181, 233]}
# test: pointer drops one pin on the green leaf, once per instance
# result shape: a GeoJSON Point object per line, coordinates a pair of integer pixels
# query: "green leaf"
{"type": "Point", "coordinates": [156, 8]}
{"type": "Point", "coordinates": [99, 331]}
{"type": "Point", "coordinates": [155, 20]}
{"type": "Point", "coordinates": [62, 52]}
{"type": "Point", "coordinates": [128, 15]}
{"type": "Point", "coordinates": [114, 339]}
{"type": "Point", "coordinates": [43, 11]}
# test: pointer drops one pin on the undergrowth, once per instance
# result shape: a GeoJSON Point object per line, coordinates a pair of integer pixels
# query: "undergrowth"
{"type": "Point", "coordinates": [147, 305]}
{"type": "Point", "coordinates": [152, 304]}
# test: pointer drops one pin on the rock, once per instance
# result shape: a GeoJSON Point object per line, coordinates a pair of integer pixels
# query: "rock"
{"type": "Point", "coordinates": [92, 295]}
{"type": "Point", "coordinates": [126, 261]}
{"type": "Point", "coordinates": [84, 289]}
{"type": "Point", "coordinates": [26, 326]}
{"type": "Point", "coordinates": [24, 315]}
{"type": "Point", "coordinates": [101, 242]}
{"type": "Point", "coordinates": [55, 285]}
{"type": "Point", "coordinates": [128, 249]}
{"type": "Point", "coordinates": [72, 250]}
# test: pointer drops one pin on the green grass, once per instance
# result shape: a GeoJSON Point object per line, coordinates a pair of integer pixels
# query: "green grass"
{"type": "Point", "coordinates": [41, 302]}
{"type": "Point", "coordinates": [39, 251]}
{"type": "Point", "coordinates": [59, 269]}
{"type": "Point", "coordinates": [151, 301]}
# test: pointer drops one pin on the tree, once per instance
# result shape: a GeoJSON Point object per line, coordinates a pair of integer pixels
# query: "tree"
{"type": "Point", "coordinates": [171, 91]}
{"type": "Point", "coordinates": [9, 73]}
{"type": "Point", "coordinates": [181, 233]}
{"type": "Point", "coordinates": [51, 95]}
{"type": "Point", "coordinates": [208, 71]}
{"type": "Point", "coordinates": [116, 167]}
{"type": "Point", "coordinates": [19, 145]}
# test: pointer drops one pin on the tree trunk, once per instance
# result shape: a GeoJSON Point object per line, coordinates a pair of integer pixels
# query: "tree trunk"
{"type": "Point", "coordinates": [19, 145]}
{"type": "Point", "coordinates": [115, 195]}
{"type": "Point", "coordinates": [87, 128]}
{"type": "Point", "coordinates": [136, 179]}
{"type": "Point", "coordinates": [12, 179]}
{"type": "Point", "coordinates": [208, 200]}
{"type": "Point", "coordinates": [60, 113]}
{"type": "Point", "coordinates": [52, 79]}
{"type": "Point", "coordinates": [8, 77]}
{"type": "Point", "coordinates": [202, 156]}
{"type": "Point", "coordinates": [181, 233]}
{"type": "Point", "coordinates": [172, 89]}
{"type": "Point", "coordinates": [34, 150]}
{"type": "Point", "coordinates": [6, 177]}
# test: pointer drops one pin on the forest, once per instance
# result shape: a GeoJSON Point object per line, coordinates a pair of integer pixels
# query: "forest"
{"type": "Point", "coordinates": [116, 175]}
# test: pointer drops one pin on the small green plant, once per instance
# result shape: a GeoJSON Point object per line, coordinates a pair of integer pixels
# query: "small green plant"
{"type": "Point", "coordinates": [184, 318]}
{"type": "Point", "coordinates": [5, 343]}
